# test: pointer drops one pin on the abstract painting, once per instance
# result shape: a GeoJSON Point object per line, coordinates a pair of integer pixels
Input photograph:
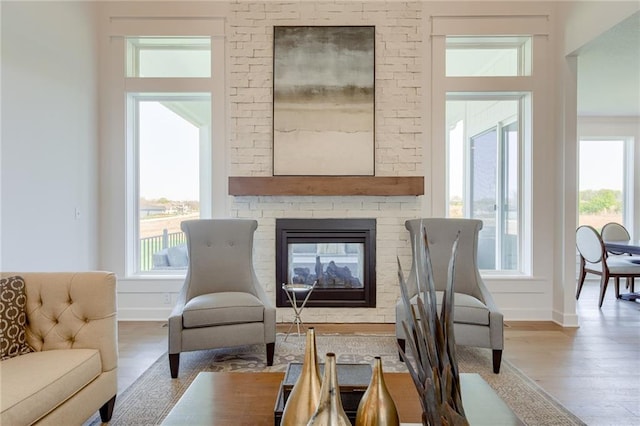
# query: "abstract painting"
{"type": "Point", "coordinates": [323, 100]}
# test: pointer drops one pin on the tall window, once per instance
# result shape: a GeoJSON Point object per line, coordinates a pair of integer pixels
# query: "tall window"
{"type": "Point", "coordinates": [486, 139]}
{"type": "Point", "coordinates": [169, 140]}
{"type": "Point", "coordinates": [484, 156]}
{"type": "Point", "coordinates": [602, 195]}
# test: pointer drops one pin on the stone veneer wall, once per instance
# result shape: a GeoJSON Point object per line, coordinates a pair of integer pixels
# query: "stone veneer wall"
{"type": "Point", "coordinates": [398, 130]}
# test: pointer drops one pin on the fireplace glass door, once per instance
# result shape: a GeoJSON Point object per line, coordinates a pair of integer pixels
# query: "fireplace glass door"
{"type": "Point", "coordinates": [340, 254]}
{"type": "Point", "coordinates": [333, 265]}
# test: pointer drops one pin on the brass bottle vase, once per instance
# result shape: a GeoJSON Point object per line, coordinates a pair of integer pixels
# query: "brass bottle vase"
{"type": "Point", "coordinates": [376, 407]}
{"type": "Point", "coordinates": [330, 411]}
{"type": "Point", "coordinates": [304, 397]}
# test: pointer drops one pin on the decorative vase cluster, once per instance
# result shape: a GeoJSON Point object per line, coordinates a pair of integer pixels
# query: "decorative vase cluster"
{"type": "Point", "coordinates": [315, 402]}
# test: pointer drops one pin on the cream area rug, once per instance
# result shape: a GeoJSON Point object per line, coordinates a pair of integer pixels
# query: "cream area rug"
{"type": "Point", "coordinates": [150, 398]}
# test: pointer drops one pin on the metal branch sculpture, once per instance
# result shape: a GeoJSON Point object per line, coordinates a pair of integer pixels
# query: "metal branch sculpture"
{"type": "Point", "coordinates": [431, 342]}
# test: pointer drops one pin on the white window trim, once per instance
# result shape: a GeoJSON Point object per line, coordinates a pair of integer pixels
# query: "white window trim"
{"type": "Point", "coordinates": [117, 228]}
{"type": "Point", "coordinates": [538, 27]}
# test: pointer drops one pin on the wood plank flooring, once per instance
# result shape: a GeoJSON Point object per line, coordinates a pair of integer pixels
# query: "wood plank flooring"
{"type": "Point", "coordinates": [593, 370]}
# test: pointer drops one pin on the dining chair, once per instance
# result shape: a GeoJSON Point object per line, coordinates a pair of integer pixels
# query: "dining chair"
{"type": "Point", "coordinates": [614, 231]}
{"type": "Point", "coordinates": [595, 260]}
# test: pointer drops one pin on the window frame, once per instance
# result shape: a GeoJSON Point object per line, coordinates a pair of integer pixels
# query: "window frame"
{"type": "Point", "coordinates": [521, 118]}
{"type": "Point", "coordinates": [134, 47]}
{"type": "Point", "coordinates": [535, 258]}
{"type": "Point", "coordinates": [521, 44]}
{"type": "Point", "coordinates": [133, 181]}
{"type": "Point", "coordinates": [120, 237]}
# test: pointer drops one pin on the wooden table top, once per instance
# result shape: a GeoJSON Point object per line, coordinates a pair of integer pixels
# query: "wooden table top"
{"type": "Point", "coordinates": [249, 399]}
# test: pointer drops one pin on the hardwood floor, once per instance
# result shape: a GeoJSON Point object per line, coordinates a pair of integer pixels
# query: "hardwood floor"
{"type": "Point", "coordinates": [593, 370]}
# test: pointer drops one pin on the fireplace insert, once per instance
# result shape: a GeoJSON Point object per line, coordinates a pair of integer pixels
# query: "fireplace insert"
{"type": "Point", "coordinates": [337, 253]}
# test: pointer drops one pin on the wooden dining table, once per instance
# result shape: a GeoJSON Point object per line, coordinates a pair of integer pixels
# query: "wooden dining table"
{"type": "Point", "coordinates": [630, 247]}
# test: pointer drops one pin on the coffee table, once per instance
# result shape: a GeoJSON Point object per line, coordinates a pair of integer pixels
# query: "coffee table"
{"type": "Point", "coordinates": [249, 399]}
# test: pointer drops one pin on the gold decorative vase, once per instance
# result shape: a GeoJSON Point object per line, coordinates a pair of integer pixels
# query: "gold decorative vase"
{"type": "Point", "coordinates": [304, 397]}
{"type": "Point", "coordinates": [330, 411]}
{"type": "Point", "coordinates": [376, 407]}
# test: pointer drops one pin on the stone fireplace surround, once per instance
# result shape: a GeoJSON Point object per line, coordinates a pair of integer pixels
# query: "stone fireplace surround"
{"type": "Point", "coordinates": [392, 243]}
{"type": "Point", "coordinates": [399, 140]}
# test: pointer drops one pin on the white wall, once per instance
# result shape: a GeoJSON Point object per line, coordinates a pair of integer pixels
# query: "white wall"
{"type": "Point", "coordinates": [578, 24]}
{"type": "Point", "coordinates": [586, 20]}
{"type": "Point", "coordinates": [405, 145]}
{"type": "Point", "coordinates": [49, 137]}
{"type": "Point", "coordinates": [49, 133]}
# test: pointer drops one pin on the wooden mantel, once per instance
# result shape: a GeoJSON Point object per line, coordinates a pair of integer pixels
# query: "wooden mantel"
{"type": "Point", "coordinates": [326, 185]}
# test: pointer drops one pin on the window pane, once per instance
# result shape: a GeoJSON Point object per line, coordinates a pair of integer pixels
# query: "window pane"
{"type": "Point", "coordinates": [488, 56]}
{"type": "Point", "coordinates": [168, 57]}
{"type": "Point", "coordinates": [483, 172]}
{"type": "Point", "coordinates": [601, 193]}
{"type": "Point", "coordinates": [172, 133]}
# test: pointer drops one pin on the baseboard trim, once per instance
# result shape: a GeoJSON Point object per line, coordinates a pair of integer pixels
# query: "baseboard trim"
{"type": "Point", "coordinates": [144, 314]}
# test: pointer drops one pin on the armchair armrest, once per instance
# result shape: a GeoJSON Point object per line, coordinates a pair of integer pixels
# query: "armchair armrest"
{"type": "Point", "coordinates": [496, 318]}
{"type": "Point", "coordinates": [269, 311]}
{"type": "Point", "coordinates": [175, 322]}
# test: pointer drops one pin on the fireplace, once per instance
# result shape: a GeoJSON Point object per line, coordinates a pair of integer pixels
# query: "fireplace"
{"type": "Point", "coordinates": [339, 253]}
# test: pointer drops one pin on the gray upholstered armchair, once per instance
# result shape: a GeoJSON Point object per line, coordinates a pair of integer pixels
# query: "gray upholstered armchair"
{"type": "Point", "coordinates": [221, 304]}
{"type": "Point", "coordinates": [476, 318]}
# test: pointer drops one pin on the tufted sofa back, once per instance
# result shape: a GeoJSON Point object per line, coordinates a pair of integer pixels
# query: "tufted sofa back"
{"type": "Point", "coordinates": [72, 310]}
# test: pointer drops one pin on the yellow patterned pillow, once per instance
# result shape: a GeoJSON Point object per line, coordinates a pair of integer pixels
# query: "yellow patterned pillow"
{"type": "Point", "coordinates": [13, 318]}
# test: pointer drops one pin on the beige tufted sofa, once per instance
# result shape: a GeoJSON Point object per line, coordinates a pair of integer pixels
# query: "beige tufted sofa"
{"type": "Point", "coordinates": [71, 324]}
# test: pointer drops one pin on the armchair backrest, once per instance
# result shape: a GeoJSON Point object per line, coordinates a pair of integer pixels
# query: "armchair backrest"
{"type": "Point", "coordinates": [220, 256]}
{"type": "Point", "coordinates": [441, 234]}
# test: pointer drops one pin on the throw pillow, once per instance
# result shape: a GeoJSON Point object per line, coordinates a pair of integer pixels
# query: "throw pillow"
{"type": "Point", "coordinates": [13, 318]}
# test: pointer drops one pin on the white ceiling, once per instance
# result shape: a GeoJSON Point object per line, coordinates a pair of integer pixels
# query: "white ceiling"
{"type": "Point", "coordinates": [609, 72]}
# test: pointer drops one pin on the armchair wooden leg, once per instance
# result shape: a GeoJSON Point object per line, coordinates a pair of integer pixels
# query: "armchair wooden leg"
{"type": "Point", "coordinates": [174, 364]}
{"type": "Point", "coordinates": [402, 343]}
{"type": "Point", "coordinates": [497, 360]}
{"type": "Point", "coordinates": [617, 282]}
{"type": "Point", "coordinates": [270, 350]}
{"type": "Point", "coordinates": [106, 411]}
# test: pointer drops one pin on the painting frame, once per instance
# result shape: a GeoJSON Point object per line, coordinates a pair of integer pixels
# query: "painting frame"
{"type": "Point", "coordinates": [324, 100]}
